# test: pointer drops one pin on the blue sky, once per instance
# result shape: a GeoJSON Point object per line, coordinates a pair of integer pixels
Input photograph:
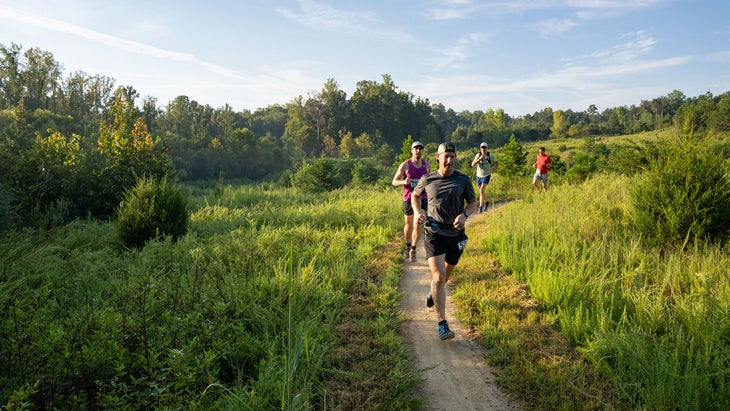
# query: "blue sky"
{"type": "Point", "coordinates": [519, 55]}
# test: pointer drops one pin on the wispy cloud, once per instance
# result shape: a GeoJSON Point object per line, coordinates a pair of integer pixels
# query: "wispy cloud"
{"type": "Point", "coordinates": [580, 10]}
{"type": "Point", "coordinates": [455, 54]}
{"type": "Point", "coordinates": [719, 56]}
{"type": "Point", "coordinates": [114, 42]}
{"type": "Point", "coordinates": [622, 68]}
{"type": "Point", "coordinates": [554, 27]}
{"type": "Point", "coordinates": [320, 16]}
{"type": "Point", "coordinates": [636, 44]}
{"type": "Point", "coordinates": [451, 10]}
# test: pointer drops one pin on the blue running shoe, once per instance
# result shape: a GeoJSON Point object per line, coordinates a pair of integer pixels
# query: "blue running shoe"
{"type": "Point", "coordinates": [444, 332]}
{"type": "Point", "coordinates": [429, 300]}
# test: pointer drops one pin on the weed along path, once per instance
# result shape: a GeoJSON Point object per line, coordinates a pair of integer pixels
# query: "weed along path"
{"type": "Point", "coordinates": [456, 376]}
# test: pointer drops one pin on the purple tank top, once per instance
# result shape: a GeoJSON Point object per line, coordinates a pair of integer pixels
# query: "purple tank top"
{"type": "Point", "coordinates": [414, 174]}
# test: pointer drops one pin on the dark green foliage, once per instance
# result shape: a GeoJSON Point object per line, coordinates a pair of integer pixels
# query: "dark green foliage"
{"type": "Point", "coordinates": [684, 195]}
{"type": "Point", "coordinates": [318, 176]}
{"type": "Point", "coordinates": [632, 158]}
{"type": "Point", "coordinates": [365, 172]}
{"type": "Point", "coordinates": [8, 215]}
{"type": "Point", "coordinates": [514, 159]}
{"type": "Point", "coordinates": [153, 208]}
{"type": "Point", "coordinates": [583, 166]}
{"type": "Point", "coordinates": [405, 151]}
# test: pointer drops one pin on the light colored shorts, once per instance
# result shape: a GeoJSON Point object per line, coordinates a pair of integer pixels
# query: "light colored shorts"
{"type": "Point", "coordinates": [540, 177]}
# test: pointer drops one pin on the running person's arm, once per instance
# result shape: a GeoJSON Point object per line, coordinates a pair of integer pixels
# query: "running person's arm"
{"type": "Point", "coordinates": [418, 215]}
{"type": "Point", "coordinates": [400, 178]}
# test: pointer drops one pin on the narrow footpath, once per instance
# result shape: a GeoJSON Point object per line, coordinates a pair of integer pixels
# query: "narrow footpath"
{"type": "Point", "coordinates": [456, 376]}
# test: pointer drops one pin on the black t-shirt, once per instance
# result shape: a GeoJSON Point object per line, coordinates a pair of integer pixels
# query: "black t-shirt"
{"type": "Point", "coordinates": [446, 197]}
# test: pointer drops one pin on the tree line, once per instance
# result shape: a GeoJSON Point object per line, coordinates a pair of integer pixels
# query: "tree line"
{"type": "Point", "coordinates": [47, 117]}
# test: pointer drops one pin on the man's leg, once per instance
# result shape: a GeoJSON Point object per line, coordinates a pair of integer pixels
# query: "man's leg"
{"type": "Point", "coordinates": [440, 274]}
{"type": "Point", "coordinates": [408, 227]}
{"type": "Point", "coordinates": [483, 197]}
{"type": "Point", "coordinates": [415, 234]}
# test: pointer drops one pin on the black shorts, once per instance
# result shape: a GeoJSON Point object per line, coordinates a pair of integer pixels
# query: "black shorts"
{"type": "Point", "coordinates": [451, 246]}
{"type": "Point", "coordinates": [408, 208]}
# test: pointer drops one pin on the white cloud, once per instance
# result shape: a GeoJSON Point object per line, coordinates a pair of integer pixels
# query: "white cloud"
{"type": "Point", "coordinates": [719, 56]}
{"type": "Point", "coordinates": [115, 42]}
{"type": "Point", "coordinates": [319, 16]}
{"type": "Point", "coordinates": [636, 44]}
{"type": "Point", "coordinates": [554, 27]}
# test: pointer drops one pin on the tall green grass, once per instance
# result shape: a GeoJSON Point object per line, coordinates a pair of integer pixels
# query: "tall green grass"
{"type": "Point", "coordinates": [658, 322]}
{"type": "Point", "coordinates": [241, 313]}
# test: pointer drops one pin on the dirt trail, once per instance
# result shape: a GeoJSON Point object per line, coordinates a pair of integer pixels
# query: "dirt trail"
{"type": "Point", "coordinates": [456, 376]}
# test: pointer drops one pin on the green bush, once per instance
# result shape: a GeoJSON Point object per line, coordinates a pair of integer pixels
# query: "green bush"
{"type": "Point", "coordinates": [364, 172]}
{"type": "Point", "coordinates": [683, 195]}
{"type": "Point", "coordinates": [319, 176]}
{"type": "Point", "coordinates": [153, 208]}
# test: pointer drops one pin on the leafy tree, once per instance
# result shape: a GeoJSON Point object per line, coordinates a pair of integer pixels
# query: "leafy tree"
{"type": "Point", "coordinates": [329, 147]}
{"type": "Point", "coordinates": [299, 133]}
{"type": "Point", "coordinates": [41, 79]}
{"type": "Point", "coordinates": [495, 120]}
{"type": "Point", "coordinates": [270, 120]}
{"type": "Point", "coordinates": [32, 79]}
{"type": "Point", "coordinates": [47, 176]}
{"type": "Point", "coordinates": [127, 150]}
{"type": "Point", "coordinates": [348, 146]}
{"type": "Point", "coordinates": [720, 119]}
{"type": "Point", "coordinates": [329, 109]}
{"type": "Point", "coordinates": [87, 100]}
{"type": "Point", "coordinates": [560, 124]}
{"type": "Point", "coordinates": [365, 145]}
{"type": "Point", "coordinates": [11, 81]}
{"type": "Point", "coordinates": [513, 162]}
{"type": "Point", "coordinates": [405, 151]}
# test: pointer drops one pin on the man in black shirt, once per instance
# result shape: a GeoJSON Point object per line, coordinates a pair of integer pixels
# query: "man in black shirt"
{"type": "Point", "coordinates": [447, 190]}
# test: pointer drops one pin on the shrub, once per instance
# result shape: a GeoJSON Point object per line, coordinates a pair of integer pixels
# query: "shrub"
{"type": "Point", "coordinates": [151, 209]}
{"type": "Point", "coordinates": [364, 172]}
{"type": "Point", "coordinates": [321, 175]}
{"type": "Point", "coordinates": [513, 161]}
{"type": "Point", "coordinates": [683, 195]}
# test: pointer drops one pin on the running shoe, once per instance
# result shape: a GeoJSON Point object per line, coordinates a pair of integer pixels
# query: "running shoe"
{"type": "Point", "coordinates": [444, 332]}
{"type": "Point", "coordinates": [429, 300]}
{"type": "Point", "coordinates": [412, 254]}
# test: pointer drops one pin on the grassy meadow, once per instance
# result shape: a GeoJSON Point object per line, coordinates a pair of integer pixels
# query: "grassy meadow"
{"type": "Point", "coordinates": [281, 299]}
{"type": "Point", "coordinates": [587, 306]}
{"type": "Point", "coordinates": [250, 310]}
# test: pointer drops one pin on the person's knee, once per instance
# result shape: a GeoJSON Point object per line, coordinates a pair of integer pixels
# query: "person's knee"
{"type": "Point", "coordinates": [439, 280]}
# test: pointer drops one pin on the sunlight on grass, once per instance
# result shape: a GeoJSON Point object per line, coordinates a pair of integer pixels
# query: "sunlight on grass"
{"type": "Point", "coordinates": [244, 312]}
{"type": "Point", "coordinates": [658, 322]}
